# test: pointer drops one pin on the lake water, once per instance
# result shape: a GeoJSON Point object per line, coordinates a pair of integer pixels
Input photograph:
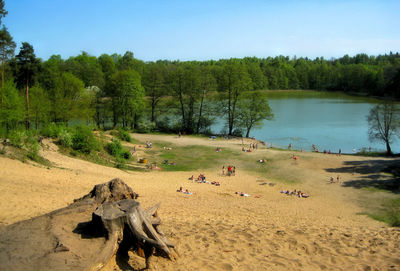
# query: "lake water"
{"type": "Point", "coordinates": [328, 120]}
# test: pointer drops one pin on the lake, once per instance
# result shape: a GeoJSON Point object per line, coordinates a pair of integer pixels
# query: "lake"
{"type": "Point", "coordinates": [330, 120]}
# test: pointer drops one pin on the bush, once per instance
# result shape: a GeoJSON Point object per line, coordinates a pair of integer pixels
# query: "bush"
{"type": "Point", "coordinates": [17, 138]}
{"type": "Point", "coordinates": [83, 140]}
{"type": "Point", "coordinates": [145, 126]}
{"type": "Point", "coordinates": [33, 151]}
{"type": "Point", "coordinates": [65, 138]}
{"type": "Point", "coordinates": [126, 154]}
{"type": "Point", "coordinates": [124, 135]}
{"type": "Point", "coordinates": [114, 148]}
{"type": "Point", "coordinates": [52, 130]}
{"type": "Point", "coordinates": [237, 132]}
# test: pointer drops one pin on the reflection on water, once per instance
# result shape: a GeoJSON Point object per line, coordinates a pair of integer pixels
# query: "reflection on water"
{"type": "Point", "coordinates": [331, 121]}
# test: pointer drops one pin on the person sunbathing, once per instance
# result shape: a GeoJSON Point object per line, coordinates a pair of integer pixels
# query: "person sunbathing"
{"type": "Point", "coordinates": [191, 178]}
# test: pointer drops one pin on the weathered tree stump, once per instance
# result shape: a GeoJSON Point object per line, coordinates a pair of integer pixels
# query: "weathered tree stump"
{"type": "Point", "coordinates": [125, 221]}
{"type": "Point", "coordinates": [86, 234]}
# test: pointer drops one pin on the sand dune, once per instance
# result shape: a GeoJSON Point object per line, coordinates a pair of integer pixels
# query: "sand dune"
{"type": "Point", "coordinates": [216, 229]}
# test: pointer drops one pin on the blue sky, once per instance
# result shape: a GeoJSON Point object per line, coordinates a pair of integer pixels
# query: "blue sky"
{"type": "Point", "coordinates": [202, 30]}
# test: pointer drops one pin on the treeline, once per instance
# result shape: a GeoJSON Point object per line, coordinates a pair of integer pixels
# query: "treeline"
{"type": "Point", "coordinates": [114, 90]}
{"type": "Point", "coordinates": [120, 90]}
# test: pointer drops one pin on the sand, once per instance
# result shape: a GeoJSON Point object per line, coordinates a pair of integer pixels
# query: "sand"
{"type": "Point", "coordinates": [216, 229]}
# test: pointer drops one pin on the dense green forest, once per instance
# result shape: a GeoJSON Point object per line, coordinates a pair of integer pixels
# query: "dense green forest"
{"type": "Point", "coordinates": [120, 90]}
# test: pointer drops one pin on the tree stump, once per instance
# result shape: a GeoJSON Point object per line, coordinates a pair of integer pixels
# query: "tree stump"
{"type": "Point", "coordinates": [125, 222]}
{"type": "Point", "coordinates": [86, 234]}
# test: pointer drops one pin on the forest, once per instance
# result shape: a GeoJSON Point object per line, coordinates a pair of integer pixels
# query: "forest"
{"type": "Point", "coordinates": [114, 90]}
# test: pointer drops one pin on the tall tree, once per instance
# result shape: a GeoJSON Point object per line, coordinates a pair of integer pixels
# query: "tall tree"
{"type": "Point", "coordinates": [27, 66]}
{"type": "Point", "coordinates": [7, 48]}
{"type": "Point", "coordinates": [40, 105]}
{"type": "Point", "coordinates": [383, 123]}
{"type": "Point", "coordinates": [154, 84]}
{"type": "Point", "coordinates": [234, 80]}
{"type": "Point", "coordinates": [127, 97]}
{"type": "Point", "coordinates": [3, 12]}
{"type": "Point", "coordinates": [253, 108]}
{"type": "Point", "coordinates": [207, 84]}
{"type": "Point", "coordinates": [12, 111]}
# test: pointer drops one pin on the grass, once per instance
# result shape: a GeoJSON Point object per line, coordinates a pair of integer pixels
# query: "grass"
{"type": "Point", "coordinates": [187, 158]}
{"type": "Point", "coordinates": [23, 155]}
{"type": "Point", "coordinates": [389, 212]}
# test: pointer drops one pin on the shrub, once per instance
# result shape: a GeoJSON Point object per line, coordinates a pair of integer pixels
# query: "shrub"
{"type": "Point", "coordinates": [126, 154]}
{"type": "Point", "coordinates": [51, 130]}
{"type": "Point", "coordinates": [83, 140]}
{"type": "Point", "coordinates": [65, 138]}
{"type": "Point", "coordinates": [124, 135]}
{"type": "Point", "coordinates": [33, 151]}
{"type": "Point", "coordinates": [17, 138]}
{"type": "Point", "coordinates": [145, 126]}
{"type": "Point", "coordinates": [114, 148]}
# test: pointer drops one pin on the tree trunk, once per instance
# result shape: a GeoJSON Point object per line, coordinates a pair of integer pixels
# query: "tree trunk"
{"type": "Point", "coordinates": [200, 112]}
{"type": "Point", "coordinates": [27, 103]}
{"type": "Point", "coordinates": [388, 149]}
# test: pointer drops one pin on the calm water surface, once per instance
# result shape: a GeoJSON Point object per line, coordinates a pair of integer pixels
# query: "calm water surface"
{"type": "Point", "coordinates": [328, 120]}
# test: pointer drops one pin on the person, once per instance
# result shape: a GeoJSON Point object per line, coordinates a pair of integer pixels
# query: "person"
{"type": "Point", "coordinates": [223, 170]}
{"type": "Point", "coordinates": [179, 135]}
{"type": "Point", "coordinates": [234, 171]}
{"type": "Point", "coordinates": [134, 148]}
{"type": "Point", "coordinates": [338, 178]}
{"type": "Point", "coordinates": [290, 146]}
{"type": "Point", "coordinates": [229, 170]}
{"type": "Point", "coordinates": [340, 152]}
{"type": "Point", "coordinates": [332, 179]}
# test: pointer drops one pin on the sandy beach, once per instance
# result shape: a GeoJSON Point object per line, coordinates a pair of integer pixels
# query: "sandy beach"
{"type": "Point", "coordinates": [216, 229]}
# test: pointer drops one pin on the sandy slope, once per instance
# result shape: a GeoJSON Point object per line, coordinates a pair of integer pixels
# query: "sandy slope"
{"type": "Point", "coordinates": [214, 228]}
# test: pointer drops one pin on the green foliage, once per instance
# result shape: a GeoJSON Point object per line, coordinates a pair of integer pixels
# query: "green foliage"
{"type": "Point", "coordinates": [124, 135]}
{"type": "Point", "coordinates": [252, 110]}
{"type": "Point", "coordinates": [83, 140]}
{"type": "Point", "coordinates": [17, 138]}
{"type": "Point", "coordinates": [65, 138]}
{"type": "Point", "coordinates": [12, 107]}
{"type": "Point", "coordinates": [52, 130]}
{"type": "Point", "coordinates": [114, 148]}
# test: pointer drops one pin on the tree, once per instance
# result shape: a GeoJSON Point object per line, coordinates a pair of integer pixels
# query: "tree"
{"type": "Point", "coordinates": [154, 84]}
{"type": "Point", "coordinates": [207, 83]}
{"type": "Point", "coordinates": [12, 110]}
{"type": "Point", "coordinates": [233, 81]}
{"type": "Point", "coordinates": [67, 98]}
{"type": "Point", "coordinates": [127, 97]}
{"type": "Point", "coordinates": [253, 108]}
{"type": "Point", "coordinates": [7, 47]}
{"type": "Point", "coordinates": [3, 12]}
{"type": "Point", "coordinates": [40, 105]}
{"type": "Point", "coordinates": [383, 121]}
{"type": "Point", "coordinates": [27, 66]}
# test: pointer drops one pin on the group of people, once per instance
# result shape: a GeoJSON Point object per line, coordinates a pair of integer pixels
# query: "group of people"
{"type": "Point", "coordinates": [332, 180]}
{"type": "Point", "coordinates": [230, 170]}
{"type": "Point", "coordinates": [295, 192]}
{"type": "Point", "coordinates": [253, 146]}
{"type": "Point", "coordinates": [202, 179]}
{"type": "Point", "coordinates": [184, 191]}
{"type": "Point", "coordinates": [148, 144]}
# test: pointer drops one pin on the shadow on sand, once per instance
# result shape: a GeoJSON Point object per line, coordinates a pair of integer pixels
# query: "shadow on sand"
{"type": "Point", "coordinates": [374, 174]}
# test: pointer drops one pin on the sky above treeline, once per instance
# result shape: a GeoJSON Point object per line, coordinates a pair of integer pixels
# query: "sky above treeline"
{"type": "Point", "coordinates": [204, 30]}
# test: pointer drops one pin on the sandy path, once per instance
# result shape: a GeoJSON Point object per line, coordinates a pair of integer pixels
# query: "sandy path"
{"type": "Point", "coordinates": [214, 228]}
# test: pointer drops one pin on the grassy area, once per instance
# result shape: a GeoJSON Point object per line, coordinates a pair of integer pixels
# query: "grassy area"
{"type": "Point", "coordinates": [388, 212]}
{"type": "Point", "coordinates": [23, 155]}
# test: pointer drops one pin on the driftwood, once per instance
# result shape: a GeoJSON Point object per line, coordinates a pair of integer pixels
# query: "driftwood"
{"type": "Point", "coordinates": [86, 234]}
